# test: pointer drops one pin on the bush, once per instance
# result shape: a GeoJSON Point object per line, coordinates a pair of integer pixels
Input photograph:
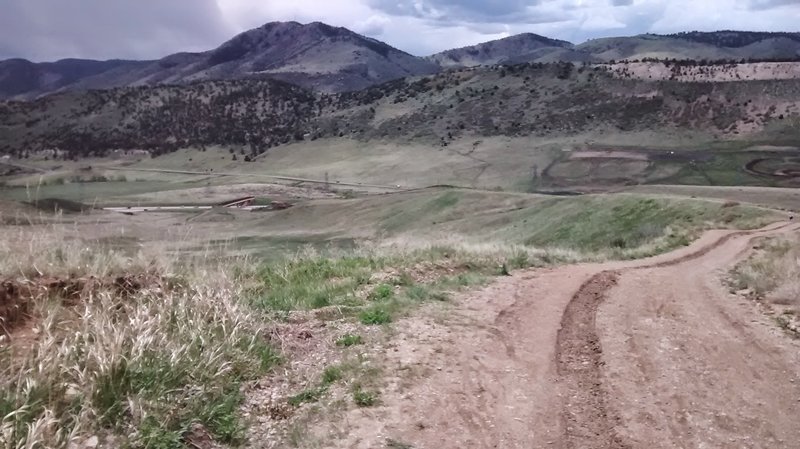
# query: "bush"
{"type": "Point", "coordinates": [364, 398]}
{"type": "Point", "coordinates": [375, 315]}
{"type": "Point", "coordinates": [310, 395]}
{"type": "Point", "coordinates": [331, 375]}
{"type": "Point", "coordinates": [382, 292]}
{"type": "Point", "coordinates": [348, 340]}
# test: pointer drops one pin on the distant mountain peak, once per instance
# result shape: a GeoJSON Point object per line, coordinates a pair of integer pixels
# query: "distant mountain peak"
{"type": "Point", "coordinates": [732, 38]}
{"type": "Point", "coordinates": [498, 51]}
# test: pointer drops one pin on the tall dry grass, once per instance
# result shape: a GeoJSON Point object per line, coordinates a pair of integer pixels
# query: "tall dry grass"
{"type": "Point", "coordinates": [133, 370]}
{"type": "Point", "coordinates": [773, 272]}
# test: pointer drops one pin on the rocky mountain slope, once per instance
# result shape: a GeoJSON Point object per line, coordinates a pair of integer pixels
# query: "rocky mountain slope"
{"type": "Point", "coordinates": [315, 56]}
{"type": "Point", "coordinates": [534, 100]}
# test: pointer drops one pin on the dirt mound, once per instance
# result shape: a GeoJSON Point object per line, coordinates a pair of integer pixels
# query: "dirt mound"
{"type": "Point", "coordinates": [18, 296]}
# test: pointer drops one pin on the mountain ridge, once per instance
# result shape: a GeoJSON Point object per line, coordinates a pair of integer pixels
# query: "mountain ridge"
{"type": "Point", "coordinates": [331, 59]}
{"type": "Point", "coordinates": [312, 55]}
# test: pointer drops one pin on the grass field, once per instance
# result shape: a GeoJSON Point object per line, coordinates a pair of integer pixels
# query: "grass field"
{"type": "Point", "coordinates": [89, 192]}
{"type": "Point", "coordinates": [492, 163]}
{"type": "Point", "coordinates": [209, 292]}
{"type": "Point", "coordinates": [776, 198]}
{"type": "Point", "coordinates": [587, 224]}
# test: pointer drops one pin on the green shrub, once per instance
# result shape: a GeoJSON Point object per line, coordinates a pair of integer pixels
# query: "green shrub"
{"type": "Point", "coordinates": [310, 395]}
{"type": "Point", "coordinates": [382, 292]}
{"type": "Point", "coordinates": [364, 398]}
{"type": "Point", "coordinates": [331, 375]}
{"type": "Point", "coordinates": [348, 340]}
{"type": "Point", "coordinates": [375, 315]}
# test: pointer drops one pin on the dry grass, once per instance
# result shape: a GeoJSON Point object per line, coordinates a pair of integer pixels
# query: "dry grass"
{"type": "Point", "coordinates": [773, 272]}
{"type": "Point", "coordinates": [143, 369]}
{"type": "Point", "coordinates": [135, 371]}
{"type": "Point", "coordinates": [772, 276]}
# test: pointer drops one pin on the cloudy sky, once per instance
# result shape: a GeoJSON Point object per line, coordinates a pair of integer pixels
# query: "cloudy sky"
{"type": "Point", "coordinates": [144, 29]}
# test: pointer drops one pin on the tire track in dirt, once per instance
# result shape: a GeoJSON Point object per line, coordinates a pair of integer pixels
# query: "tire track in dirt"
{"type": "Point", "coordinates": [588, 421]}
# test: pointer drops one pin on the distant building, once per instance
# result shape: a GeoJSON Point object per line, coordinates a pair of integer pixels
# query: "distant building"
{"type": "Point", "coordinates": [240, 202]}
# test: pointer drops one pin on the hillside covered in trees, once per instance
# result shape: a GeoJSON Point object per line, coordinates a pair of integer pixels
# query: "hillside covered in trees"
{"type": "Point", "coordinates": [534, 99]}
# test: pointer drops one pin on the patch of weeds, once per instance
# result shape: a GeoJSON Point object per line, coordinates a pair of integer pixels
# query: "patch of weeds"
{"type": "Point", "coordinates": [375, 315]}
{"type": "Point", "coordinates": [348, 340]}
{"type": "Point", "coordinates": [403, 280]}
{"type": "Point", "coordinates": [311, 283]}
{"type": "Point", "coordinates": [439, 296]}
{"type": "Point", "coordinates": [310, 395]}
{"type": "Point", "coordinates": [418, 292]}
{"type": "Point", "coordinates": [220, 415]}
{"type": "Point", "coordinates": [382, 292]}
{"type": "Point", "coordinates": [152, 434]}
{"type": "Point", "coordinates": [628, 225]}
{"type": "Point", "coordinates": [462, 280]}
{"type": "Point", "coordinates": [364, 398]}
{"type": "Point", "coordinates": [518, 260]}
{"type": "Point", "coordinates": [25, 408]}
{"type": "Point", "coordinates": [619, 242]}
{"type": "Point", "coordinates": [266, 354]}
{"type": "Point", "coordinates": [331, 375]}
{"type": "Point", "coordinates": [111, 392]}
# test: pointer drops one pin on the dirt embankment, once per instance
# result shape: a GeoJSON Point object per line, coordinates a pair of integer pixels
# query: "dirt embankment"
{"type": "Point", "coordinates": [17, 297]}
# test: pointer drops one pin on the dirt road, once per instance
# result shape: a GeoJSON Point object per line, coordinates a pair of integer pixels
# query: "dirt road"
{"type": "Point", "coordinates": [259, 175]}
{"type": "Point", "coordinates": [646, 354]}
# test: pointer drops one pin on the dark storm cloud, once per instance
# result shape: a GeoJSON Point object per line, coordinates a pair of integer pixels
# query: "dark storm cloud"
{"type": "Point", "coordinates": [100, 29]}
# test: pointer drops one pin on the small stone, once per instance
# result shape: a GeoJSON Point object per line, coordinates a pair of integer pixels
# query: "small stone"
{"type": "Point", "coordinates": [91, 442]}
